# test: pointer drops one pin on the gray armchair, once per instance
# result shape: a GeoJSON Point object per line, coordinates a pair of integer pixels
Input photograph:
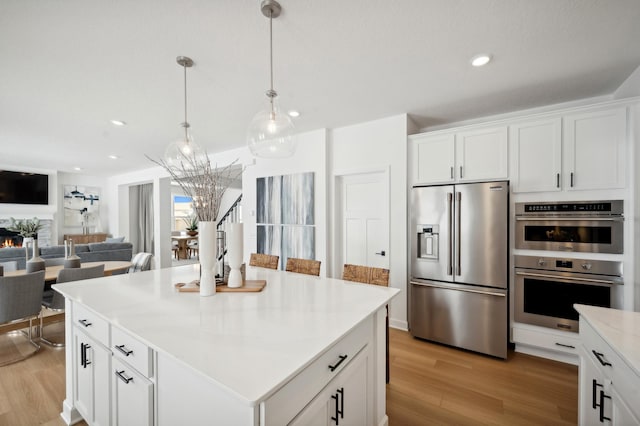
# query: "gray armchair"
{"type": "Point", "coordinates": [141, 262]}
{"type": "Point", "coordinates": [20, 298]}
{"type": "Point", "coordinates": [54, 301]}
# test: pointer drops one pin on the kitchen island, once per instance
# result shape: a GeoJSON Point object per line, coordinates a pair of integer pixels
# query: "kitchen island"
{"type": "Point", "coordinates": [305, 349]}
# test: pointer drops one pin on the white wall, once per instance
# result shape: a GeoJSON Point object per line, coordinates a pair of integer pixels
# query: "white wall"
{"type": "Point", "coordinates": [379, 145]}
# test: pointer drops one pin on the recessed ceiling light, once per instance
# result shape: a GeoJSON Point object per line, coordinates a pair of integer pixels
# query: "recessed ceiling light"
{"type": "Point", "coordinates": [293, 113]}
{"type": "Point", "coordinates": [113, 157]}
{"type": "Point", "coordinates": [480, 60]}
{"type": "Point", "coordinates": [77, 169]}
{"type": "Point", "coordinates": [118, 122]}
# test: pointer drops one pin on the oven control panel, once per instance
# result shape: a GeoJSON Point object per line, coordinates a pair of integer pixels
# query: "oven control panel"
{"type": "Point", "coordinates": [584, 266]}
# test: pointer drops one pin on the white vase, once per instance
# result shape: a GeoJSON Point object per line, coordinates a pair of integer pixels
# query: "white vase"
{"type": "Point", "coordinates": [234, 254]}
{"type": "Point", "coordinates": [36, 263]}
{"type": "Point", "coordinates": [207, 250]}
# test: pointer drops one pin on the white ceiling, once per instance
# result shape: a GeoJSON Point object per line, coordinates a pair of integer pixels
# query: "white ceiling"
{"type": "Point", "coordinates": [68, 67]}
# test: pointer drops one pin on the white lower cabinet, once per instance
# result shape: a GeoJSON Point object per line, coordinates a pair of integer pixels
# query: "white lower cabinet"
{"type": "Point", "coordinates": [132, 396]}
{"type": "Point", "coordinates": [92, 382]}
{"type": "Point", "coordinates": [344, 400]}
{"type": "Point", "coordinates": [608, 387]}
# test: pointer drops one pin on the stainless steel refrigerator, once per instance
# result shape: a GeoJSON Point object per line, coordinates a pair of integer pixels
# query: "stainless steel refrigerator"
{"type": "Point", "coordinates": [459, 265]}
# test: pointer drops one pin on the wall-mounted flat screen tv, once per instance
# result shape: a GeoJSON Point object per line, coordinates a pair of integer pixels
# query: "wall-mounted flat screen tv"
{"type": "Point", "coordinates": [23, 188]}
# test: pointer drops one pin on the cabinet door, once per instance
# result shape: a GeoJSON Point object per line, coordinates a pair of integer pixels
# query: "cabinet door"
{"type": "Point", "coordinates": [481, 154]}
{"type": "Point", "coordinates": [622, 414]}
{"type": "Point", "coordinates": [433, 158]}
{"type": "Point", "coordinates": [537, 147]}
{"type": "Point", "coordinates": [92, 385]}
{"type": "Point", "coordinates": [592, 382]}
{"type": "Point", "coordinates": [344, 400]}
{"type": "Point", "coordinates": [594, 144]}
{"type": "Point", "coordinates": [132, 396]}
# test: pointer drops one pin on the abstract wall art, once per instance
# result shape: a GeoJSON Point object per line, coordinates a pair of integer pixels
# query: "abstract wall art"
{"type": "Point", "coordinates": [285, 216]}
{"type": "Point", "coordinates": [81, 206]}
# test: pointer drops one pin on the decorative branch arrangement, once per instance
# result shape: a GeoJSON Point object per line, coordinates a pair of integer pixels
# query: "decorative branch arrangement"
{"type": "Point", "coordinates": [203, 183]}
{"type": "Point", "coordinates": [25, 227]}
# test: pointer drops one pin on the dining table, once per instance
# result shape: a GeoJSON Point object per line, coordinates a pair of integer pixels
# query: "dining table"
{"type": "Point", "coordinates": [183, 248]}
{"type": "Point", "coordinates": [51, 272]}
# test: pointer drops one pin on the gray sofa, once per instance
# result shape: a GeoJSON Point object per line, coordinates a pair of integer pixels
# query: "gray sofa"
{"type": "Point", "coordinates": [93, 252]}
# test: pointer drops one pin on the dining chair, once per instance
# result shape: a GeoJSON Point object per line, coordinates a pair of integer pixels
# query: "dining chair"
{"type": "Point", "coordinates": [303, 266]}
{"type": "Point", "coordinates": [375, 276]}
{"type": "Point", "coordinates": [11, 265]}
{"type": "Point", "coordinates": [141, 262]}
{"type": "Point", "coordinates": [20, 298]}
{"type": "Point", "coordinates": [192, 248]}
{"type": "Point", "coordinates": [54, 301]}
{"type": "Point", "coordinates": [264, 260]}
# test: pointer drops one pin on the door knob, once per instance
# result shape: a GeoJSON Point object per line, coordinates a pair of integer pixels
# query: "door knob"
{"type": "Point", "coordinates": [382, 253]}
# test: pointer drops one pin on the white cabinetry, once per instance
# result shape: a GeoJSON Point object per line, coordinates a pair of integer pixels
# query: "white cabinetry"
{"type": "Point", "coordinates": [609, 389]}
{"type": "Point", "coordinates": [471, 155]}
{"type": "Point", "coordinates": [481, 154]}
{"type": "Point", "coordinates": [537, 155]}
{"type": "Point", "coordinates": [344, 400]}
{"type": "Point", "coordinates": [92, 378]}
{"type": "Point", "coordinates": [132, 396]}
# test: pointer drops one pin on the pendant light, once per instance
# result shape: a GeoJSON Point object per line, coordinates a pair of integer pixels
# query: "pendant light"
{"type": "Point", "coordinates": [270, 134]}
{"type": "Point", "coordinates": [184, 152]}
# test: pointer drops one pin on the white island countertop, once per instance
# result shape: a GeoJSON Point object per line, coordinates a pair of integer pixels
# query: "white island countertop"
{"type": "Point", "coordinates": [620, 329]}
{"type": "Point", "coordinates": [249, 344]}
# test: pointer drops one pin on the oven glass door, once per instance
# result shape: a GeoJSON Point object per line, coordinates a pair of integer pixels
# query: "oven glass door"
{"type": "Point", "coordinates": [547, 301]}
{"type": "Point", "coordinates": [596, 235]}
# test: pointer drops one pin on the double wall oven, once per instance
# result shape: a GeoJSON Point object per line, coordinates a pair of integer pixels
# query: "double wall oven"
{"type": "Point", "coordinates": [547, 286]}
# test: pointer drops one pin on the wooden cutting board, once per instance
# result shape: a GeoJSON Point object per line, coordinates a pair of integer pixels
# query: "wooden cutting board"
{"type": "Point", "coordinates": [250, 286]}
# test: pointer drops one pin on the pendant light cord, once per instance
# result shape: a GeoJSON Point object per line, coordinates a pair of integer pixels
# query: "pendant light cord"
{"type": "Point", "coordinates": [271, 46]}
{"type": "Point", "coordinates": [186, 122]}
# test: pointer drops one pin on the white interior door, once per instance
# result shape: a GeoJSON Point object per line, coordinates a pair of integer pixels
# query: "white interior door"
{"type": "Point", "coordinates": [364, 200]}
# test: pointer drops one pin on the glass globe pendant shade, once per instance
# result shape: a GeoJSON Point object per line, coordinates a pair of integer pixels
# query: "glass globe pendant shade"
{"type": "Point", "coordinates": [183, 153]}
{"type": "Point", "coordinates": [270, 134]}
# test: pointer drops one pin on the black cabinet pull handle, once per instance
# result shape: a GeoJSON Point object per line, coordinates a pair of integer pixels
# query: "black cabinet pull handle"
{"type": "Point", "coordinates": [124, 378]}
{"type": "Point", "coordinates": [336, 418]}
{"type": "Point", "coordinates": [124, 350]}
{"type": "Point", "coordinates": [83, 356]}
{"type": "Point", "coordinates": [341, 410]}
{"type": "Point", "coordinates": [84, 322]}
{"type": "Point", "coordinates": [594, 393]}
{"type": "Point", "coordinates": [565, 346]}
{"type": "Point", "coordinates": [86, 360]}
{"type": "Point", "coordinates": [572, 179]}
{"type": "Point", "coordinates": [342, 358]}
{"type": "Point", "coordinates": [601, 358]}
{"type": "Point", "coordinates": [602, 397]}
{"type": "Point", "coordinates": [557, 180]}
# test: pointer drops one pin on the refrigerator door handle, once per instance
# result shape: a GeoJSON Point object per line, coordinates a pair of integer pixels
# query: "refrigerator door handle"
{"type": "Point", "coordinates": [457, 231]}
{"type": "Point", "coordinates": [450, 239]}
{"type": "Point", "coordinates": [467, 290]}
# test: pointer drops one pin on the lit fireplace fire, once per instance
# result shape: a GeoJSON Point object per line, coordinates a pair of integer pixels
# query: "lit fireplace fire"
{"type": "Point", "coordinates": [8, 242]}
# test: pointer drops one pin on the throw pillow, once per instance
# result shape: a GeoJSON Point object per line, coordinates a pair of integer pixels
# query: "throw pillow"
{"type": "Point", "coordinates": [114, 240]}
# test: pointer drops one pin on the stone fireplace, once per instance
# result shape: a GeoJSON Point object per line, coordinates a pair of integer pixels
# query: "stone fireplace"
{"type": "Point", "coordinates": [12, 239]}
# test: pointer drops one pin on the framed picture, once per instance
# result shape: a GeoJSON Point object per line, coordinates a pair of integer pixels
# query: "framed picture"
{"type": "Point", "coordinates": [81, 206]}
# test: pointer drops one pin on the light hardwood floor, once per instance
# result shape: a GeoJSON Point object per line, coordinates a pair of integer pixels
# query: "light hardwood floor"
{"type": "Point", "coordinates": [430, 385]}
{"type": "Point", "coordinates": [433, 384]}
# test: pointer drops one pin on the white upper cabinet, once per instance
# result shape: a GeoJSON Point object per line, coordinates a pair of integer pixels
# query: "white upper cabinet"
{"type": "Point", "coordinates": [472, 155]}
{"type": "Point", "coordinates": [594, 149]}
{"type": "Point", "coordinates": [537, 155]}
{"type": "Point", "coordinates": [481, 154]}
{"type": "Point", "coordinates": [433, 158]}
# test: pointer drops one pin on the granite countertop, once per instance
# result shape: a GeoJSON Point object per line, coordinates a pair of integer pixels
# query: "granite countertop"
{"type": "Point", "coordinates": [620, 329]}
{"type": "Point", "coordinates": [247, 343]}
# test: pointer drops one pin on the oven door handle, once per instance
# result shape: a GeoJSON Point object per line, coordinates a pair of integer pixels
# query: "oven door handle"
{"type": "Point", "coordinates": [555, 277]}
{"type": "Point", "coordinates": [571, 219]}
{"type": "Point", "coordinates": [468, 290]}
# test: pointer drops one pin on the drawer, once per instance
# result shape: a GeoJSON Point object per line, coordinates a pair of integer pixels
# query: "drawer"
{"type": "Point", "coordinates": [89, 322]}
{"type": "Point", "coordinates": [566, 342]}
{"type": "Point", "coordinates": [289, 400]}
{"type": "Point", "coordinates": [131, 350]}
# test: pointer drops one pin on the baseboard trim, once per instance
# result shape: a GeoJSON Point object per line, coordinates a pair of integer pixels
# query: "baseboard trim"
{"type": "Point", "coordinates": [399, 324]}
